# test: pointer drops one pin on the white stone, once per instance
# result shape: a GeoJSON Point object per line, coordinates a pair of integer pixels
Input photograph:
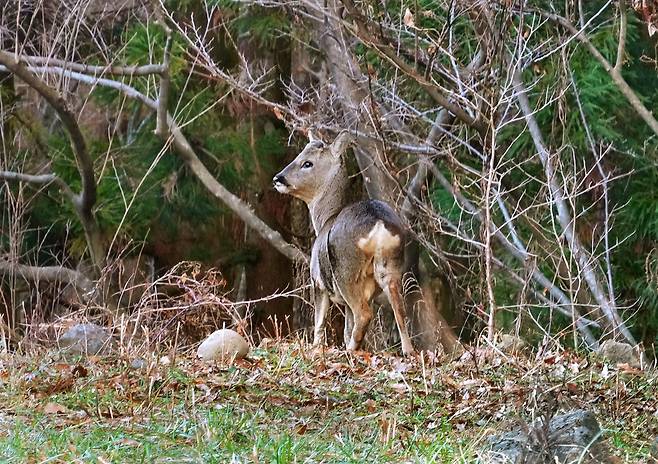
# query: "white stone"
{"type": "Point", "coordinates": [224, 344]}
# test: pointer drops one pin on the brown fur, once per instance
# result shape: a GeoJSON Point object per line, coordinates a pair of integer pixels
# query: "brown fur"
{"type": "Point", "coordinates": [358, 250]}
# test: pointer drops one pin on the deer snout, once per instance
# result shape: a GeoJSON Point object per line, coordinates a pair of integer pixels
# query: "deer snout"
{"type": "Point", "coordinates": [280, 183]}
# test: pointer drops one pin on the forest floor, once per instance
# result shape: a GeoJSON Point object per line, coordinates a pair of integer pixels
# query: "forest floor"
{"type": "Point", "coordinates": [285, 404]}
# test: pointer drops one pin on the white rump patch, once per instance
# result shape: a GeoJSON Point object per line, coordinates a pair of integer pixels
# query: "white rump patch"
{"type": "Point", "coordinates": [379, 240]}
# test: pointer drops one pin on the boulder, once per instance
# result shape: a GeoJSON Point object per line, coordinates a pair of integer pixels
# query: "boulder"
{"type": "Point", "coordinates": [223, 344]}
{"type": "Point", "coordinates": [86, 339]}
{"type": "Point", "coordinates": [619, 353]}
{"type": "Point", "coordinates": [572, 433]}
{"type": "Point", "coordinates": [568, 438]}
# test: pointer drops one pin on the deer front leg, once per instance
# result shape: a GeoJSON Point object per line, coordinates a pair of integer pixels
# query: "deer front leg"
{"type": "Point", "coordinates": [321, 310]}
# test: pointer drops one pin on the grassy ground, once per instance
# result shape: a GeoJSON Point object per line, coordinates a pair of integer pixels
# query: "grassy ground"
{"type": "Point", "coordinates": [285, 405]}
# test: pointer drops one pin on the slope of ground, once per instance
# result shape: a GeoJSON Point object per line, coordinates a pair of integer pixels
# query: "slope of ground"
{"type": "Point", "coordinates": [285, 404]}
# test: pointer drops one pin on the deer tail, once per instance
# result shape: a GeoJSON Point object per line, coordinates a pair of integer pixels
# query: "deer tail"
{"type": "Point", "coordinates": [379, 241]}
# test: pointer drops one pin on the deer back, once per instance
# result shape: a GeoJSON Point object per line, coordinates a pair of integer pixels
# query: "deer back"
{"type": "Point", "coordinates": [346, 250]}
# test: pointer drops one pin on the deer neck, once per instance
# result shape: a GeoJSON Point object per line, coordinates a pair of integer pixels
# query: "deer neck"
{"type": "Point", "coordinates": [330, 200]}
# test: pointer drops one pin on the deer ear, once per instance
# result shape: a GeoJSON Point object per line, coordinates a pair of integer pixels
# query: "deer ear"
{"type": "Point", "coordinates": [311, 136]}
{"type": "Point", "coordinates": [341, 142]}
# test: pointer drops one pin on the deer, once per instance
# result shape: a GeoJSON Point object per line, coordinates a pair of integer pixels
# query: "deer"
{"type": "Point", "coordinates": [358, 250]}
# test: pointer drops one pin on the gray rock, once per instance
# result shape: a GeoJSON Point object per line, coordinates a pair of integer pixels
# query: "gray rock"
{"type": "Point", "coordinates": [568, 438]}
{"type": "Point", "coordinates": [86, 339]}
{"type": "Point", "coordinates": [138, 363]}
{"type": "Point", "coordinates": [619, 353]}
{"type": "Point", "coordinates": [573, 433]}
{"type": "Point", "coordinates": [511, 447]}
{"type": "Point", "coordinates": [511, 344]}
{"type": "Point", "coordinates": [224, 344]}
{"type": "Point", "coordinates": [654, 451]}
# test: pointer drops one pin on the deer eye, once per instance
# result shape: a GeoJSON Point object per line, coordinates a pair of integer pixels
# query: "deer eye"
{"type": "Point", "coordinates": [307, 165]}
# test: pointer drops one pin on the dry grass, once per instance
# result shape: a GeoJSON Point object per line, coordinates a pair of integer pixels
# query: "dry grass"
{"type": "Point", "coordinates": [287, 404]}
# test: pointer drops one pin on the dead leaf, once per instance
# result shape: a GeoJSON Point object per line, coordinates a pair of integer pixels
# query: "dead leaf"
{"type": "Point", "coordinates": [572, 388]}
{"type": "Point", "coordinates": [450, 382]}
{"type": "Point", "coordinates": [551, 359]}
{"type": "Point", "coordinates": [301, 430]}
{"type": "Point", "coordinates": [626, 368]}
{"type": "Point", "coordinates": [401, 366]}
{"type": "Point", "coordinates": [79, 371]}
{"type": "Point", "coordinates": [169, 186]}
{"type": "Point", "coordinates": [408, 18]}
{"type": "Point", "coordinates": [61, 366]}
{"type": "Point", "coordinates": [399, 387]}
{"type": "Point", "coordinates": [371, 405]}
{"type": "Point", "coordinates": [471, 383]}
{"type": "Point", "coordinates": [129, 442]}
{"type": "Point", "coordinates": [385, 427]}
{"type": "Point", "coordinates": [60, 385]}
{"type": "Point", "coordinates": [55, 408]}
{"type": "Point", "coordinates": [279, 115]}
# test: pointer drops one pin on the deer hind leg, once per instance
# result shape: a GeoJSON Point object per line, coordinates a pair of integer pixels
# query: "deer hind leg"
{"type": "Point", "coordinates": [349, 325]}
{"type": "Point", "coordinates": [322, 304]}
{"type": "Point", "coordinates": [391, 287]}
{"type": "Point", "coordinates": [362, 316]}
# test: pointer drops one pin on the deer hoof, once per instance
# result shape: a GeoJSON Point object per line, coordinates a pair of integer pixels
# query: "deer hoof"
{"type": "Point", "coordinates": [408, 351]}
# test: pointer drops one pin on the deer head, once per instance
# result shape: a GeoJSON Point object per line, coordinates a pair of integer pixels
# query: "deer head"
{"type": "Point", "coordinates": [315, 168]}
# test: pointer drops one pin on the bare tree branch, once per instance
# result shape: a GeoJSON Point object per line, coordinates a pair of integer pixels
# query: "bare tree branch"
{"type": "Point", "coordinates": [162, 127]}
{"type": "Point", "coordinates": [362, 31]}
{"type": "Point", "coordinates": [43, 179]}
{"type": "Point", "coordinates": [564, 216]}
{"type": "Point", "coordinates": [348, 79]}
{"type": "Point", "coordinates": [186, 152]}
{"type": "Point", "coordinates": [564, 305]}
{"type": "Point", "coordinates": [621, 46]}
{"type": "Point", "coordinates": [109, 70]}
{"type": "Point", "coordinates": [85, 200]}
{"type": "Point", "coordinates": [604, 186]}
{"type": "Point", "coordinates": [613, 71]}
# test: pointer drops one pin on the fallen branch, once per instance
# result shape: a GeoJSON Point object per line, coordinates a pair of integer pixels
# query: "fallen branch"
{"type": "Point", "coordinates": [48, 274]}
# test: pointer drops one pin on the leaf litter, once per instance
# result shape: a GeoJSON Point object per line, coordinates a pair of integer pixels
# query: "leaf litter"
{"type": "Point", "coordinates": [405, 404]}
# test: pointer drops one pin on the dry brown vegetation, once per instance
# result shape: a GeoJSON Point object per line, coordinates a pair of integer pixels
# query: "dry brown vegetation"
{"type": "Point", "coordinates": [285, 403]}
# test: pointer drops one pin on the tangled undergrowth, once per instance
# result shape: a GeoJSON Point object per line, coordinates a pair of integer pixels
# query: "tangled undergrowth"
{"type": "Point", "coordinates": [286, 403]}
